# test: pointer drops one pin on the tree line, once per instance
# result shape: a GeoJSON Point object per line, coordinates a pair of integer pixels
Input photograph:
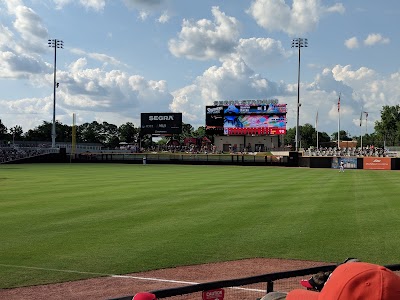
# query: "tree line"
{"type": "Point", "coordinates": [386, 132]}
{"type": "Point", "coordinates": [107, 134]}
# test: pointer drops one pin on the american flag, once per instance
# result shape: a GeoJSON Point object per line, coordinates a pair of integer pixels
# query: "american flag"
{"type": "Point", "coordinates": [338, 104]}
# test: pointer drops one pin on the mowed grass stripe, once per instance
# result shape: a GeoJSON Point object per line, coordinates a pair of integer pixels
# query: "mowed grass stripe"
{"type": "Point", "coordinates": [117, 219]}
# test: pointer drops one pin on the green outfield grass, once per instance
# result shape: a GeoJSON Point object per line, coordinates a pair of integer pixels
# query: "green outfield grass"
{"type": "Point", "coordinates": [120, 218]}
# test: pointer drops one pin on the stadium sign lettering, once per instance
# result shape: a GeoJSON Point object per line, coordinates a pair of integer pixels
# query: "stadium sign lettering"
{"type": "Point", "coordinates": [214, 110]}
{"type": "Point", "coordinates": [246, 102]}
{"type": "Point", "coordinates": [161, 118]}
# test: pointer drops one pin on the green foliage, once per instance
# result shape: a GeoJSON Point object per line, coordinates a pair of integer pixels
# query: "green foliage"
{"type": "Point", "coordinates": [323, 138]}
{"type": "Point", "coordinates": [187, 130]}
{"type": "Point", "coordinates": [290, 137]}
{"type": "Point", "coordinates": [118, 219]}
{"type": "Point", "coordinates": [200, 132]}
{"type": "Point", "coordinates": [389, 126]}
{"type": "Point", "coordinates": [17, 132]}
{"type": "Point", "coordinates": [343, 136]}
{"type": "Point", "coordinates": [386, 130]}
{"type": "Point", "coordinates": [128, 132]}
{"type": "Point", "coordinates": [3, 131]}
{"type": "Point", "coordinates": [89, 133]}
{"type": "Point", "coordinates": [308, 136]}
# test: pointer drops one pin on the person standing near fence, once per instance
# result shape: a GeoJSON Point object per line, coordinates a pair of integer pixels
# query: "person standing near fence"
{"type": "Point", "coordinates": [341, 167]}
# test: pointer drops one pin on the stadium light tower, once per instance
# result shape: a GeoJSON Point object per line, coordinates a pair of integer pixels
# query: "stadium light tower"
{"type": "Point", "coordinates": [298, 43]}
{"type": "Point", "coordinates": [54, 43]}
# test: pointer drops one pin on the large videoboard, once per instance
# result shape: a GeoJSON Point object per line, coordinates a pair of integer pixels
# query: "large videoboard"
{"type": "Point", "coordinates": [161, 123]}
{"type": "Point", "coordinates": [245, 119]}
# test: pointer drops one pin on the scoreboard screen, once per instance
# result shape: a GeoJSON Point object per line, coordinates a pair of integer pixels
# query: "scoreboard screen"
{"type": "Point", "coordinates": [265, 119]}
{"type": "Point", "coordinates": [161, 123]}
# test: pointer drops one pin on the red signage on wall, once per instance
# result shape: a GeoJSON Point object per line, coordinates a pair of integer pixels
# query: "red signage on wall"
{"type": "Point", "coordinates": [277, 130]}
{"type": "Point", "coordinates": [377, 163]}
{"type": "Point", "coordinates": [217, 294]}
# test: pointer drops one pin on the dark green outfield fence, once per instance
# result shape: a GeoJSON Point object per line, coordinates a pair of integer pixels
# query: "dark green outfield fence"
{"type": "Point", "coordinates": [293, 159]}
{"type": "Point", "coordinates": [248, 288]}
{"type": "Point", "coordinates": [183, 158]}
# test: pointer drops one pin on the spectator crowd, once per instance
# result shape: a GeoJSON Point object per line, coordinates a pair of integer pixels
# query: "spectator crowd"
{"type": "Point", "coordinates": [351, 151]}
{"type": "Point", "coordinates": [14, 153]}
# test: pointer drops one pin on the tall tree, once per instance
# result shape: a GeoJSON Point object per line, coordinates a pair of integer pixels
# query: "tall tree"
{"type": "Point", "coordinates": [308, 136]}
{"type": "Point", "coordinates": [187, 130]}
{"type": "Point", "coordinates": [16, 132]}
{"type": "Point", "coordinates": [323, 139]}
{"type": "Point", "coordinates": [199, 132]}
{"type": "Point", "coordinates": [128, 132]}
{"type": "Point", "coordinates": [3, 131]}
{"type": "Point", "coordinates": [290, 137]}
{"type": "Point", "coordinates": [307, 133]}
{"type": "Point", "coordinates": [343, 136]}
{"type": "Point", "coordinates": [64, 132]}
{"type": "Point", "coordinates": [40, 133]}
{"type": "Point", "coordinates": [89, 132]}
{"type": "Point", "coordinates": [109, 134]}
{"type": "Point", "coordinates": [389, 126]}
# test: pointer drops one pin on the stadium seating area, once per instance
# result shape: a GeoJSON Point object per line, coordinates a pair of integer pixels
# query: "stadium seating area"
{"type": "Point", "coordinates": [351, 151]}
{"type": "Point", "coordinates": [15, 153]}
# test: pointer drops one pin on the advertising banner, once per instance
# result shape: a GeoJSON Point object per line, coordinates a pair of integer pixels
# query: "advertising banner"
{"type": "Point", "coordinates": [377, 163]}
{"type": "Point", "coordinates": [349, 162]}
{"type": "Point", "coordinates": [161, 123]}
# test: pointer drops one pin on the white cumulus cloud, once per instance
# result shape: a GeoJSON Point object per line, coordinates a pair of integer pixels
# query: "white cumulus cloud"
{"type": "Point", "coordinates": [206, 39]}
{"type": "Point", "coordinates": [302, 17]}
{"type": "Point", "coordinates": [376, 38]}
{"type": "Point", "coordinates": [96, 5]}
{"type": "Point", "coordinates": [351, 43]}
{"type": "Point", "coordinates": [259, 52]}
{"type": "Point", "coordinates": [164, 18]}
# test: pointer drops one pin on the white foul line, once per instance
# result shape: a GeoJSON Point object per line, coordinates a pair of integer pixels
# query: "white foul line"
{"type": "Point", "coordinates": [121, 276]}
{"type": "Point", "coordinates": [153, 279]}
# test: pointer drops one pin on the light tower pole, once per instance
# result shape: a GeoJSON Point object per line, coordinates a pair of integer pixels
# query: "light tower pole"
{"type": "Point", "coordinates": [298, 43]}
{"type": "Point", "coordinates": [54, 43]}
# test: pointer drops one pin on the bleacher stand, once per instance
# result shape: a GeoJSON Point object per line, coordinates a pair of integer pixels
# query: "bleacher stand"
{"type": "Point", "coordinates": [350, 151]}
{"type": "Point", "coordinates": [13, 153]}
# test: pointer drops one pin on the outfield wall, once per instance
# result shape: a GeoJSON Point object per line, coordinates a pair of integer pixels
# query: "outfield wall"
{"type": "Point", "coordinates": [291, 159]}
{"type": "Point", "coordinates": [371, 162]}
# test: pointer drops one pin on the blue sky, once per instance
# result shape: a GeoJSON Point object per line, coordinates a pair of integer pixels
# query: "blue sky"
{"type": "Point", "coordinates": [124, 57]}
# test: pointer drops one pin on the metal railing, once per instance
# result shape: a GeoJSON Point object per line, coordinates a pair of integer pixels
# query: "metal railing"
{"type": "Point", "coordinates": [248, 288]}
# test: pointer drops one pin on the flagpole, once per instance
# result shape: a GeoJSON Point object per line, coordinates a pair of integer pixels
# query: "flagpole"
{"type": "Point", "coordinates": [361, 135]}
{"type": "Point", "coordinates": [366, 122]}
{"type": "Point", "coordinates": [316, 127]}
{"type": "Point", "coordinates": [338, 134]}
